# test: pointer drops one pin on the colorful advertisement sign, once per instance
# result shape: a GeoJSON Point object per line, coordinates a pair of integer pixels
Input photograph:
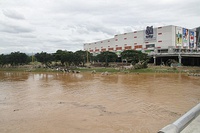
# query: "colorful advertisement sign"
{"type": "Point", "coordinates": [191, 39]}
{"type": "Point", "coordinates": [178, 36]}
{"type": "Point", "coordinates": [185, 37]}
{"type": "Point", "coordinates": [150, 34]}
{"type": "Point", "coordinates": [198, 37]}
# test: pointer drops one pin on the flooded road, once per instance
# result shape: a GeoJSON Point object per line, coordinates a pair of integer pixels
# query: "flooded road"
{"type": "Point", "coordinates": [87, 103]}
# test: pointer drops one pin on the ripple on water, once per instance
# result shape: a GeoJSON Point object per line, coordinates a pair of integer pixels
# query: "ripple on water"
{"type": "Point", "coordinates": [93, 103]}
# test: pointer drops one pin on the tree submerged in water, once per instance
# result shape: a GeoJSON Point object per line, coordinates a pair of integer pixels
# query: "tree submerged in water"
{"type": "Point", "coordinates": [138, 59]}
{"type": "Point", "coordinates": [64, 58]}
{"type": "Point", "coordinates": [141, 64]}
{"type": "Point", "coordinates": [106, 57]}
{"type": "Point", "coordinates": [14, 59]}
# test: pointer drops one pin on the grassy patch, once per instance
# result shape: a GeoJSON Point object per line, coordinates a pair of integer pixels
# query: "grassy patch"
{"type": "Point", "coordinates": [98, 69]}
{"type": "Point", "coordinates": [113, 70]}
{"type": "Point", "coordinates": [21, 69]}
{"type": "Point", "coordinates": [12, 69]}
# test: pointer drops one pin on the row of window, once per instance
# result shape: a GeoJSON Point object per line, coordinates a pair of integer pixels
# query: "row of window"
{"type": "Point", "coordinates": [125, 48]}
{"type": "Point", "coordinates": [117, 39]}
{"type": "Point", "coordinates": [134, 44]}
{"type": "Point", "coordinates": [126, 38]}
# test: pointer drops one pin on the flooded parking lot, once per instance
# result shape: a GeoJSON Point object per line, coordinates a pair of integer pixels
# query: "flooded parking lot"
{"type": "Point", "coordinates": [93, 103]}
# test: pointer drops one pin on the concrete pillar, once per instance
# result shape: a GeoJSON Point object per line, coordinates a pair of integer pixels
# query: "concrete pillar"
{"type": "Point", "coordinates": [179, 59]}
{"type": "Point", "coordinates": [154, 62]}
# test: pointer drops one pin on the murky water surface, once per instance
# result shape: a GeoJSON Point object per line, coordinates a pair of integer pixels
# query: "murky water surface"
{"type": "Point", "coordinates": [86, 103]}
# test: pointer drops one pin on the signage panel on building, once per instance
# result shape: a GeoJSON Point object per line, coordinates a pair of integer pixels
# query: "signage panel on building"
{"type": "Point", "coordinates": [198, 37]}
{"type": "Point", "coordinates": [191, 39]}
{"type": "Point", "coordinates": [150, 34]}
{"type": "Point", "coordinates": [185, 37]}
{"type": "Point", "coordinates": [178, 36]}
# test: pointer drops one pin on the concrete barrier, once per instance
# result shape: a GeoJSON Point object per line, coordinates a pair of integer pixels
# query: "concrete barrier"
{"type": "Point", "coordinates": [182, 122]}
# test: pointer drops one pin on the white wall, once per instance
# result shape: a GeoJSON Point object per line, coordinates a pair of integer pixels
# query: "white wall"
{"type": "Point", "coordinates": [166, 36]}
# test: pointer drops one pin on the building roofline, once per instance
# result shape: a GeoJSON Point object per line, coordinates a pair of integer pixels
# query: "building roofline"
{"type": "Point", "coordinates": [138, 31]}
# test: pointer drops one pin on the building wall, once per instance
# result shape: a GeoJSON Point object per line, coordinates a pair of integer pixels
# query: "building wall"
{"type": "Point", "coordinates": [164, 37]}
{"type": "Point", "coordinates": [198, 37]}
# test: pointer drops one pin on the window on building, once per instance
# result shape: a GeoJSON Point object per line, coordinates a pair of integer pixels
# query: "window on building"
{"type": "Point", "coordinates": [110, 49]}
{"type": "Point", "coordinates": [118, 48]}
{"type": "Point", "coordinates": [150, 46]}
{"type": "Point", "coordinates": [127, 47]}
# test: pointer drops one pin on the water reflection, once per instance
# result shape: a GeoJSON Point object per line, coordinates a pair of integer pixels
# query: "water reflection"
{"type": "Point", "coordinates": [14, 76]}
{"type": "Point", "coordinates": [61, 102]}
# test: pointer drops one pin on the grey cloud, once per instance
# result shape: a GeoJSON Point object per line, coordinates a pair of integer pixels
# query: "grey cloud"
{"type": "Point", "coordinates": [89, 27]}
{"type": "Point", "coordinates": [97, 7]}
{"type": "Point", "coordinates": [13, 14]}
{"type": "Point", "coordinates": [99, 27]}
{"type": "Point", "coordinates": [14, 28]}
{"type": "Point", "coordinates": [67, 24]}
{"type": "Point", "coordinates": [78, 29]}
{"type": "Point", "coordinates": [28, 36]}
{"type": "Point", "coordinates": [68, 45]}
{"type": "Point", "coordinates": [53, 38]}
{"type": "Point", "coordinates": [77, 39]}
{"type": "Point", "coordinates": [56, 40]}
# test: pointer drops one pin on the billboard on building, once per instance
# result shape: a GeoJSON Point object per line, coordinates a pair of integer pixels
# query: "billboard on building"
{"type": "Point", "coordinates": [178, 36]}
{"type": "Point", "coordinates": [191, 39]}
{"type": "Point", "coordinates": [150, 34]}
{"type": "Point", "coordinates": [198, 37]}
{"type": "Point", "coordinates": [185, 37]}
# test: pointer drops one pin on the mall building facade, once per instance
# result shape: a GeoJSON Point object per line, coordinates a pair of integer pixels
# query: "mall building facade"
{"type": "Point", "coordinates": [165, 40]}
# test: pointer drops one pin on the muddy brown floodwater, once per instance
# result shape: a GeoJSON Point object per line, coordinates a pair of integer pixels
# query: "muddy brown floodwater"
{"type": "Point", "coordinates": [87, 103]}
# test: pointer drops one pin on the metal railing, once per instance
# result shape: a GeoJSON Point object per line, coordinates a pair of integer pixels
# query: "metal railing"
{"type": "Point", "coordinates": [175, 53]}
{"type": "Point", "coordinates": [182, 122]}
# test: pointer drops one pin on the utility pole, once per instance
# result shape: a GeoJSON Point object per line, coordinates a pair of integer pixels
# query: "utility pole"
{"type": "Point", "coordinates": [32, 57]}
{"type": "Point", "coordinates": [87, 57]}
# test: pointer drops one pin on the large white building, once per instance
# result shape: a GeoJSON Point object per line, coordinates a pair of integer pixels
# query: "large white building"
{"type": "Point", "coordinates": [166, 39]}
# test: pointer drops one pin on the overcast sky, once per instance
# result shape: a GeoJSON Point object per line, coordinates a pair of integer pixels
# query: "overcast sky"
{"type": "Point", "coordinates": [32, 26]}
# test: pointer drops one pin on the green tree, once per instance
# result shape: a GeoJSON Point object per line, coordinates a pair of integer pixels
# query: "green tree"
{"type": "Point", "coordinates": [67, 58]}
{"type": "Point", "coordinates": [81, 57]}
{"type": "Point", "coordinates": [134, 56]}
{"type": "Point", "coordinates": [106, 57]}
{"type": "Point", "coordinates": [4, 59]}
{"type": "Point", "coordinates": [17, 58]}
{"type": "Point", "coordinates": [14, 59]}
{"type": "Point", "coordinates": [58, 54]}
{"type": "Point", "coordinates": [44, 58]}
